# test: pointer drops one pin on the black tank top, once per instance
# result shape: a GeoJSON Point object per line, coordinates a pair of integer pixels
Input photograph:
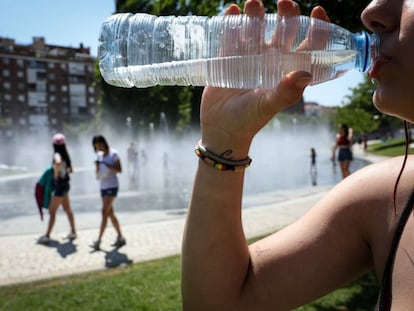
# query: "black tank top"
{"type": "Point", "coordinates": [385, 296]}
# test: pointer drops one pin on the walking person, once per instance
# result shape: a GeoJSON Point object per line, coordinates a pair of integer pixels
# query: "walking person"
{"type": "Point", "coordinates": [363, 224]}
{"type": "Point", "coordinates": [108, 165]}
{"type": "Point", "coordinates": [62, 167]}
{"type": "Point", "coordinates": [344, 144]}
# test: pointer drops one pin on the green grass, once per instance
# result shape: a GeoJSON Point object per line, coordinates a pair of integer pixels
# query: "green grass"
{"type": "Point", "coordinates": [148, 286]}
{"type": "Point", "coordinates": [361, 295]}
{"type": "Point", "coordinates": [389, 148]}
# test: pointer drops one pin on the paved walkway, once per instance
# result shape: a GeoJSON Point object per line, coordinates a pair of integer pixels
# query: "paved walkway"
{"type": "Point", "coordinates": [23, 260]}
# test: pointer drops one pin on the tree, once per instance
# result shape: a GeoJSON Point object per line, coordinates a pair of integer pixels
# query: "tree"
{"type": "Point", "coordinates": [361, 114]}
{"type": "Point", "coordinates": [360, 120]}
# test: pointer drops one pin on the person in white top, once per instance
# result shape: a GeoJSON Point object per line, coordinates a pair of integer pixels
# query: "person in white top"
{"type": "Point", "coordinates": [108, 165]}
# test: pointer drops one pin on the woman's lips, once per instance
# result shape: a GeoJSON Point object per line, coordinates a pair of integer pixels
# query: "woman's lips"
{"type": "Point", "coordinates": [375, 70]}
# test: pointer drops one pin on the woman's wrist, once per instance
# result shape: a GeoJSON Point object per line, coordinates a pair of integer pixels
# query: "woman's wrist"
{"type": "Point", "coordinates": [232, 147]}
{"type": "Point", "coordinates": [223, 161]}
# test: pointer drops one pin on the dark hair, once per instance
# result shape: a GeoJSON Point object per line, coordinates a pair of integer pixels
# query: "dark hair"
{"type": "Point", "coordinates": [99, 139]}
{"type": "Point", "coordinates": [61, 149]}
{"type": "Point", "coordinates": [346, 129]}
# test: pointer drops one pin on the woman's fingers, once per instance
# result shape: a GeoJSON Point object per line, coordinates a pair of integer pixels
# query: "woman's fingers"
{"type": "Point", "coordinates": [287, 8]}
{"type": "Point", "coordinates": [320, 13]}
{"type": "Point", "coordinates": [232, 10]}
{"type": "Point", "coordinates": [317, 36]}
{"type": "Point", "coordinates": [228, 34]}
{"type": "Point", "coordinates": [284, 37]}
{"type": "Point", "coordinates": [242, 35]}
{"type": "Point", "coordinates": [254, 8]}
{"type": "Point", "coordinates": [288, 92]}
{"type": "Point", "coordinates": [252, 34]}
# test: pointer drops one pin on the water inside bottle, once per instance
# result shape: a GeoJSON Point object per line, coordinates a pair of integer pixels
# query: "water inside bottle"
{"type": "Point", "coordinates": [247, 71]}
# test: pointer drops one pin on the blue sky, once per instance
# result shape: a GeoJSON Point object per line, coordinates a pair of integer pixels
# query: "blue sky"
{"type": "Point", "coordinates": [71, 22]}
{"type": "Point", "coordinates": [61, 22]}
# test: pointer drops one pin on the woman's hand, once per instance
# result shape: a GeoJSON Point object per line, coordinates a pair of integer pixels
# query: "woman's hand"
{"type": "Point", "coordinates": [230, 118]}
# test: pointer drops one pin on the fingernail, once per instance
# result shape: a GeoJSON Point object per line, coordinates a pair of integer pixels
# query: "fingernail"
{"type": "Point", "coordinates": [303, 82]}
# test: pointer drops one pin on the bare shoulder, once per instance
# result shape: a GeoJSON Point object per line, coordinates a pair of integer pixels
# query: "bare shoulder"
{"type": "Point", "coordinates": [367, 197]}
{"type": "Point", "coordinates": [376, 181]}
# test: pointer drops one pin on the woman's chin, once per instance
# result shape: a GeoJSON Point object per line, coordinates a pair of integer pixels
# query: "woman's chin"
{"type": "Point", "coordinates": [393, 105]}
{"type": "Point", "coordinates": [379, 101]}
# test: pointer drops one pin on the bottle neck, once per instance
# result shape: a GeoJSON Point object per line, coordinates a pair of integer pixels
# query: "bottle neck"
{"type": "Point", "coordinates": [368, 48]}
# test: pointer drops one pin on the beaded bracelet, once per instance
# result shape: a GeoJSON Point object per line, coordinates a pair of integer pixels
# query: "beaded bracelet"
{"type": "Point", "coordinates": [220, 163]}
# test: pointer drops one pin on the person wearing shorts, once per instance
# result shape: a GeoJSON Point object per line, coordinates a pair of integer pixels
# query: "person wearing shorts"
{"type": "Point", "coordinates": [108, 165]}
{"type": "Point", "coordinates": [344, 144]}
{"type": "Point", "coordinates": [62, 167]}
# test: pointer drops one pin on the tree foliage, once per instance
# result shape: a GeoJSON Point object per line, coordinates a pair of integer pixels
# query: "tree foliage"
{"type": "Point", "coordinates": [360, 113]}
{"type": "Point", "coordinates": [181, 104]}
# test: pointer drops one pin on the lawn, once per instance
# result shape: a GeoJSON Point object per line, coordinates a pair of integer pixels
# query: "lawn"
{"type": "Point", "coordinates": [148, 286]}
{"type": "Point", "coordinates": [389, 148]}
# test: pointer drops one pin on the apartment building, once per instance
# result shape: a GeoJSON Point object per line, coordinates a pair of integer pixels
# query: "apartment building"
{"type": "Point", "coordinates": [43, 87]}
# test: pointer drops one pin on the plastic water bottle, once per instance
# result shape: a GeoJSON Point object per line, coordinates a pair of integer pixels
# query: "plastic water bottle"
{"type": "Point", "coordinates": [233, 51]}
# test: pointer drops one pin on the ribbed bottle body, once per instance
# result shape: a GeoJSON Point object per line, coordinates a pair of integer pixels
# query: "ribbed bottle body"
{"type": "Point", "coordinates": [233, 51]}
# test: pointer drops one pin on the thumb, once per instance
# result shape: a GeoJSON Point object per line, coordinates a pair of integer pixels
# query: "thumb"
{"type": "Point", "coordinates": [289, 91]}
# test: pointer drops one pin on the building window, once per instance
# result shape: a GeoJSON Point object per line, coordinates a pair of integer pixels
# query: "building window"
{"type": "Point", "coordinates": [6, 60]}
{"type": "Point", "coordinates": [41, 86]}
{"type": "Point", "coordinates": [51, 65]}
{"type": "Point", "coordinates": [21, 86]}
{"type": "Point", "coordinates": [20, 74]}
{"type": "Point", "coordinates": [76, 79]}
{"type": "Point", "coordinates": [41, 75]}
{"type": "Point", "coordinates": [7, 85]}
{"type": "Point", "coordinates": [64, 88]}
{"type": "Point", "coordinates": [20, 63]}
{"type": "Point", "coordinates": [36, 64]}
{"type": "Point", "coordinates": [6, 73]}
{"type": "Point", "coordinates": [32, 87]}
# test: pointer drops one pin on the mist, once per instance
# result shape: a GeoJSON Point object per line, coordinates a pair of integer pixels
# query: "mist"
{"type": "Point", "coordinates": [280, 153]}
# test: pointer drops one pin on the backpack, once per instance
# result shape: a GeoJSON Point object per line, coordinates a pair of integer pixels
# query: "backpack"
{"type": "Point", "coordinates": [43, 190]}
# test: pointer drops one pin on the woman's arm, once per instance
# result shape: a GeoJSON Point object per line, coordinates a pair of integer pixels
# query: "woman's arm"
{"type": "Point", "coordinates": [115, 168]}
{"type": "Point", "coordinates": [57, 162]}
{"type": "Point", "coordinates": [350, 135]}
{"type": "Point", "coordinates": [219, 270]}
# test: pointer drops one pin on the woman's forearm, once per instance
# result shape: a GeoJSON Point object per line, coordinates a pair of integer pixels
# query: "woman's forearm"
{"type": "Point", "coordinates": [215, 255]}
